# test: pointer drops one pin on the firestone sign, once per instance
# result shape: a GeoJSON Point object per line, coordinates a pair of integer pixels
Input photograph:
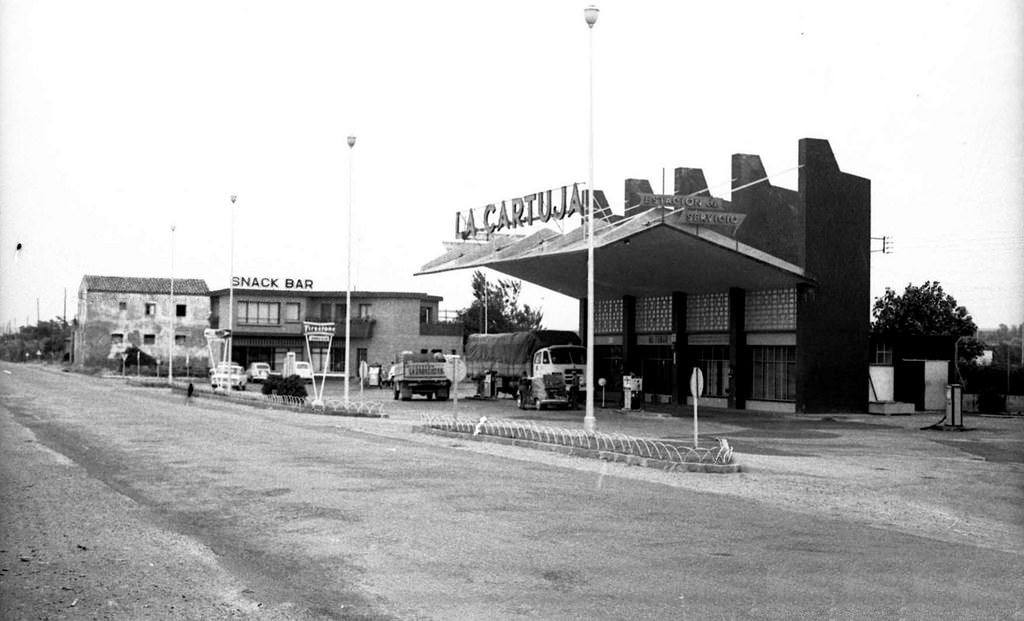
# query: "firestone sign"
{"type": "Point", "coordinates": [318, 331]}
{"type": "Point", "coordinates": [524, 211]}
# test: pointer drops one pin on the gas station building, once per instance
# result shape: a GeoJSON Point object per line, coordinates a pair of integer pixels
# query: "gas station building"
{"type": "Point", "coordinates": [767, 292]}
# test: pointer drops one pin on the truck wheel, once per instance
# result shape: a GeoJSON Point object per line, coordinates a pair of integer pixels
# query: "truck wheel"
{"type": "Point", "coordinates": [406, 393]}
{"type": "Point", "coordinates": [520, 400]}
{"type": "Point", "coordinates": [430, 396]}
{"type": "Point", "coordinates": [443, 394]}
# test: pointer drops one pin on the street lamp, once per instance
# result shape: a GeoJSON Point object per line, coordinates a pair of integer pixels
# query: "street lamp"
{"type": "Point", "coordinates": [231, 292]}
{"type": "Point", "coordinates": [170, 319]}
{"type": "Point", "coordinates": [348, 262]}
{"type": "Point", "coordinates": [589, 422]}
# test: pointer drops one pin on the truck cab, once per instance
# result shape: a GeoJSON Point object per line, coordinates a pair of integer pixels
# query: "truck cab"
{"type": "Point", "coordinates": [558, 376]}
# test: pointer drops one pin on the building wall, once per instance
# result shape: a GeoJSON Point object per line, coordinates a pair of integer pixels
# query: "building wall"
{"type": "Point", "coordinates": [395, 324]}
{"type": "Point", "coordinates": [833, 317]}
{"type": "Point", "coordinates": [99, 317]}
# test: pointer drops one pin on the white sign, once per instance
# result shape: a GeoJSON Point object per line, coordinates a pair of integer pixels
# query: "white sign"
{"type": "Point", "coordinates": [697, 383]}
{"type": "Point", "coordinates": [696, 389]}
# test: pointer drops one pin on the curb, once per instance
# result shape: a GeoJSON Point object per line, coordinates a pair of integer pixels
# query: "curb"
{"type": "Point", "coordinates": [267, 405]}
{"type": "Point", "coordinates": [575, 451]}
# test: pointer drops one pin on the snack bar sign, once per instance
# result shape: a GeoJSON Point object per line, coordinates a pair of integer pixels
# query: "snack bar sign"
{"type": "Point", "coordinates": [262, 282]}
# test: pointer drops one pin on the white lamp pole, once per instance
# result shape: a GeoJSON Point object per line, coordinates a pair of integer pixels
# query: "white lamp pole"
{"type": "Point", "coordinates": [229, 354]}
{"type": "Point", "coordinates": [170, 319]}
{"type": "Point", "coordinates": [589, 421]}
{"type": "Point", "coordinates": [348, 280]}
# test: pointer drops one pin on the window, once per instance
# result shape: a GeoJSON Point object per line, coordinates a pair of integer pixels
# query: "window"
{"type": "Point", "coordinates": [883, 354]}
{"type": "Point", "coordinates": [181, 310]}
{"type": "Point", "coordinates": [117, 338]}
{"type": "Point", "coordinates": [713, 362]}
{"type": "Point", "coordinates": [774, 373]}
{"type": "Point", "coordinates": [425, 313]}
{"type": "Point", "coordinates": [179, 339]}
{"type": "Point", "coordinates": [122, 306]}
{"type": "Point", "coordinates": [259, 313]}
{"type": "Point", "coordinates": [339, 312]}
{"type": "Point", "coordinates": [150, 309]}
{"type": "Point", "coordinates": [364, 311]}
{"type": "Point", "coordinates": [325, 312]}
{"type": "Point", "coordinates": [292, 310]}
{"type": "Point", "coordinates": [149, 339]}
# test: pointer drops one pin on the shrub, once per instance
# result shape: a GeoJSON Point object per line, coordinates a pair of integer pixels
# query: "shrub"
{"type": "Point", "coordinates": [291, 386]}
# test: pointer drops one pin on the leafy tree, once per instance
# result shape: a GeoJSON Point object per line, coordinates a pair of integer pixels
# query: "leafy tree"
{"type": "Point", "coordinates": [501, 300]}
{"type": "Point", "coordinates": [46, 337]}
{"type": "Point", "coordinates": [925, 311]}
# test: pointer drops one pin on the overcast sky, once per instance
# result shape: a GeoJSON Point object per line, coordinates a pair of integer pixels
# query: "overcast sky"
{"type": "Point", "coordinates": [121, 118]}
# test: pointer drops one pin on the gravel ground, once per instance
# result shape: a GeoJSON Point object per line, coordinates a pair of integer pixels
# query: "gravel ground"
{"type": "Point", "coordinates": [104, 560]}
{"type": "Point", "coordinates": [929, 484]}
{"type": "Point", "coordinates": [904, 479]}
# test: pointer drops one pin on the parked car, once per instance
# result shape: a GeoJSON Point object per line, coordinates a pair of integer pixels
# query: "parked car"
{"type": "Point", "coordinates": [304, 370]}
{"type": "Point", "coordinates": [226, 374]}
{"type": "Point", "coordinates": [258, 372]}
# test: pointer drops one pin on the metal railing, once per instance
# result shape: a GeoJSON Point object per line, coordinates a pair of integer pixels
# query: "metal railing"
{"type": "Point", "coordinates": [664, 450]}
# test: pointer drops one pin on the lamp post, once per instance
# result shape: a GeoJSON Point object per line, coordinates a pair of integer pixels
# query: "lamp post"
{"type": "Point", "coordinates": [229, 355]}
{"type": "Point", "coordinates": [170, 319]}
{"type": "Point", "coordinates": [589, 421]}
{"type": "Point", "coordinates": [348, 262]}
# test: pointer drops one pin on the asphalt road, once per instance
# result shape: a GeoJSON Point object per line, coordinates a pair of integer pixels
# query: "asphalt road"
{"type": "Point", "coordinates": [125, 503]}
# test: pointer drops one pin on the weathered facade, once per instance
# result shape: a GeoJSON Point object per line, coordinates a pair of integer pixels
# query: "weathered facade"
{"type": "Point", "coordinates": [116, 312]}
{"type": "Point", "coordinates": [268, 325]}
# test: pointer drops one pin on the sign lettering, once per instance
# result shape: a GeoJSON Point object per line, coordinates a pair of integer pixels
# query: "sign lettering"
{"type": "Point", "coordinates": [699, 210]}
{"type": "Point", "coordinates": [522, 211]}
{"type": "Point", "coordinates": [259, 282]}
{"type": "Point", "coordinates": [680, 202]}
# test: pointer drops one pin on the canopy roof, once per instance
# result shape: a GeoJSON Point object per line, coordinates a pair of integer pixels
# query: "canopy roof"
{"type": "Point", "coordinates": [649, 253]}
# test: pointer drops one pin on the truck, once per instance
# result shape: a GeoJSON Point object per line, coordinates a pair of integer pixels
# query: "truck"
{"type": "Point", "coordinates": [538, 368]}
{"type": "Point", "coordinates": [420, 374]}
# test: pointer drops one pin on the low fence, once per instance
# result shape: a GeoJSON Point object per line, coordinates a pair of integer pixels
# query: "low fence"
{"type": "Point", "coordinates": [330, 406]}
{"type": "Point", "coordinates": [662, 450]}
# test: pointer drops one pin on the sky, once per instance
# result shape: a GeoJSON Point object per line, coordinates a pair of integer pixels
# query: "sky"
{"type": "Point", "coordinates": [121, 119]}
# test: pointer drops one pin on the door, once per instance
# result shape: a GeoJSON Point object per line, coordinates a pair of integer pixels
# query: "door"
{"type": "Point", "coordinates": [908, 380]}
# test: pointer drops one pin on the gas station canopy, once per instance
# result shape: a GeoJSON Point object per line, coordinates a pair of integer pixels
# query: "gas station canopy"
{"type": "Point", "coordinates": [646, 254]}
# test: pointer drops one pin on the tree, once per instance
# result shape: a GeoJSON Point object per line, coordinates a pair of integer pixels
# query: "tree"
{"type": "Point", "coordinates": [925, 311]}
{"type": "Point", "coordinates": [501, 300]}
{"type": "Point", "coordinates": [45, 339]}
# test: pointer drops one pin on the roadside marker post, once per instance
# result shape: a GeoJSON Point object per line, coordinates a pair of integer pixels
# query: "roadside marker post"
{"type": "Point", "coordinates": [696, 389]}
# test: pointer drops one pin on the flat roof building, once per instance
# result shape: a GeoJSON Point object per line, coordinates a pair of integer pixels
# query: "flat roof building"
{"type": "Point", "coordinates": [268, 324]}
{"type": "Point", "coordinates": [767, 292]}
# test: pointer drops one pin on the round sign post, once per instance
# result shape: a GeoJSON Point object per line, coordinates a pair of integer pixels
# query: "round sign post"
{"type": "Point", "coordinates": [696, 389]}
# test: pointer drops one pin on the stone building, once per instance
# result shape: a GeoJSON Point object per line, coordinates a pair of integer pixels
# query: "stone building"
{"type": "Point", "coordinates": [267, 324]}
{"type": "Point", "coordinates": [116, 312]}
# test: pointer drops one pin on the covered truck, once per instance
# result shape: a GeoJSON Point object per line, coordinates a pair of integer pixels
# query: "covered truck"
{"type": "Point", "coordinates": [420, 374]}
{"type": "Point", "coordinates": [539, 368]}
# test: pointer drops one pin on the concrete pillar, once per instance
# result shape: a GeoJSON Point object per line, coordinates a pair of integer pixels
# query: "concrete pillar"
{"type": "Point", "coordinates": [739, 358]}
{"type": "Point", "coordinates": [681, 360]}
